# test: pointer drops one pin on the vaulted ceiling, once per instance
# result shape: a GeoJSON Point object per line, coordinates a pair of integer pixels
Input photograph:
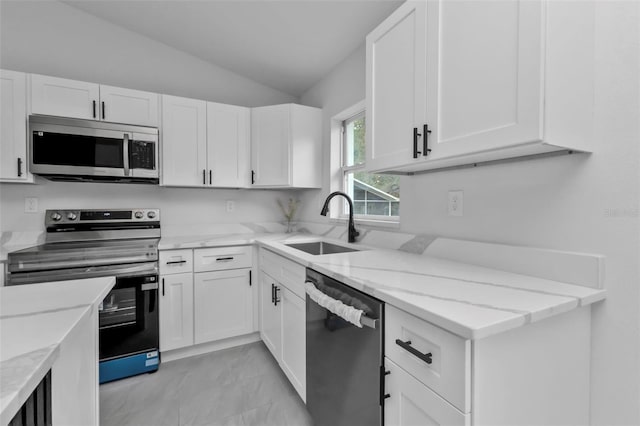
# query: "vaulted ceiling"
{"type": "Point", "coordinates": [288, 45]}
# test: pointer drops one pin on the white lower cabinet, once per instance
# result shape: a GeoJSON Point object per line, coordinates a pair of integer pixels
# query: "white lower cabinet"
{"type": "Point", "coordinates": [283, 318]}
{"type": "Point", "coordinates": [223, 304]}
{"type": "Point", "coordinates": [294, 358]}
{"type": "Point", "coordinates": [176, 311]}
{"type": "Point", "coordinates": [203, 301]}
{"type": "Point", "coordinates": [410, 403]}
{"type": "Point", "coordinates": [537, 374]}
{"type": "Point", "coordinates": [271, 318]}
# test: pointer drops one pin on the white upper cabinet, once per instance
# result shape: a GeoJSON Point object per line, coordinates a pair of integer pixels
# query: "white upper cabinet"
{"type": "Point", "coordinates": [204, 144]}
{"type": "Point", "coordinates": [184, 141]}
{"type": "Point", "coordinates": [286, 146]}
{"type": "Point", "coordinates": [128, 106]}
{"type": "Point", "coordinates": [454, 83]}
{"type": "Point", "coordinates": [13, 127]}
{"type": "Point", "coordinates": [63, 97]}
{"type": "Point", "coordinates": [78, 99]}
{"type": "Point", "coordinates": [228, 131]}
{"type": "Point", "coordinates": [396, 87]}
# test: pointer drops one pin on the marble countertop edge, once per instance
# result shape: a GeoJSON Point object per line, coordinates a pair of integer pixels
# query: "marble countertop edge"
{"type": "Point", "coordinates": [32, 334]}
{"type": "Point", "coordinates": [11, 402]}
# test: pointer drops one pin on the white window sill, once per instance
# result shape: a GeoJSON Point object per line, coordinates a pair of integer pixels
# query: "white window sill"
{"type": "Point", "coordinates": [374, 223]}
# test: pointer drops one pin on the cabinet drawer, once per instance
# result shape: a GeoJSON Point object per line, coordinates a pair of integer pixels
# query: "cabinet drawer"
{"type": "Point", "coordinates": [289, 273]}
{"type": "Point", "coordinates": [412, 403]}
{"type": "Point", "coordinates": [220, 258]}
{"type": "Point", "coordinates": [176, 261]}
{"type": "Point", "coordinates": [447, 373]}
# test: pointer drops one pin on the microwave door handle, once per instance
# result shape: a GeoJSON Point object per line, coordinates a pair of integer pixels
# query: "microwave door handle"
{"type": "Point", "coordinates": [125, 153]}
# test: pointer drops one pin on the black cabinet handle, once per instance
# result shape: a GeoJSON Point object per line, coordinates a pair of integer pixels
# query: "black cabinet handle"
{"type": "Point", "coordinates": [19, 167]}
{"type": "Point", "coordinates": [250, 278]}
{"type": "Point", "coordinates": [253, 177]}
{"type": "Point", "coordinates": [204, 177]}
{"type": "Point", "coordinates": [94, 109]}
{"type": "Point", "coordinates": [415, 143]}
{"type": "Point", "coordinates": [383, 395]}
{"type": "Point", "coordinates": [163, 286]}
{"type": "Point", "coordinates": [275, 294]}
{"type": "Point", "coordinates": [103, 110]}
{"type": "Point", "coordinates": [413, 351]}
{"type": "Point", "coordinates": [174, 262]}
{"type": "Point", "coordinates": [425, 140]}
{"type": "Point", "coordinates": [224, 259]}
{"type": "Point", "coordinates": [210, 176]}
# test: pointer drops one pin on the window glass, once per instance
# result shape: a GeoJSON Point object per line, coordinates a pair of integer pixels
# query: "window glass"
{"type": "Point", "coordinates": [373, 195]}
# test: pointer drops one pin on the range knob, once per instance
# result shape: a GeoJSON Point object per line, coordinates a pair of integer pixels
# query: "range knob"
{"type": "Point", "coordinates": [71, 216]}
{"type": "Point", "coordinates": [151, 214]}
{"type": "Point", "coordinates": [56, 216]}
{"type": "Point", "coordinates": [138, 215]}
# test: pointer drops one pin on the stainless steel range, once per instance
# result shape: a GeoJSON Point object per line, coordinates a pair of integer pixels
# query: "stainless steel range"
{"type": "Point", "coordinates": [98, 243]}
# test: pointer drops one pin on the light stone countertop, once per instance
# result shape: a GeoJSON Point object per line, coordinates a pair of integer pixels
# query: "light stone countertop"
{"type": "Point", "coordinates": [471, 301]}
{"type": "Point", "coordinates": [34, 321]}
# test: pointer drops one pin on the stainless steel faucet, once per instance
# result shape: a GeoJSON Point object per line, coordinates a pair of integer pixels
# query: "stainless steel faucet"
{"type": "Point", "coordinates": [352, 229]}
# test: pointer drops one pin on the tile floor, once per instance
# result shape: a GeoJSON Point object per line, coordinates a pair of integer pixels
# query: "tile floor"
{"type": "Point", "coordinates": [240, 386]}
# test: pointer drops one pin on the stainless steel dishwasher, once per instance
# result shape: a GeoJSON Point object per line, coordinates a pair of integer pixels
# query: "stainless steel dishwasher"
{"type": "Point", "coordinates": [344, 362]}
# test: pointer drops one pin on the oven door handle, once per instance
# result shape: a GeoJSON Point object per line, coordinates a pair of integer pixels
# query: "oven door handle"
{"type": "Point", "coordinates": [79, 273]}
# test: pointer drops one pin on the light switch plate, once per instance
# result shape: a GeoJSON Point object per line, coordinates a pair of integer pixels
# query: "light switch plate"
{"type": "Point", "coordinates": [456, 203]}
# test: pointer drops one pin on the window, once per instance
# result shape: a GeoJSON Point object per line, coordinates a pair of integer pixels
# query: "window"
{"type": "Point", "coordinates": [374, 196]}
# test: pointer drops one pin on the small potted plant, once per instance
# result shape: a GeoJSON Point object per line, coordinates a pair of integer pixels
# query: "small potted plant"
{"type": "Point", "coordinates": [289, 212]}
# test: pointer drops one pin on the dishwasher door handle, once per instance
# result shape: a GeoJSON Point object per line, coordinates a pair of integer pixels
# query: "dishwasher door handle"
{"type": "Point", "coordinates": [364, 319]}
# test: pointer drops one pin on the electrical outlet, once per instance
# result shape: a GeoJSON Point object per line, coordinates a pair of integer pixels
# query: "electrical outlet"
{"type": "Point", "coordinates": [30, 205]}
{"type": "Point", "coordinates": [456, 203]}
{"type": "Point", "coordinates": [231, 206]}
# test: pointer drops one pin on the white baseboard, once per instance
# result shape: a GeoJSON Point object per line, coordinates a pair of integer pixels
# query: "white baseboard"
{"type": "Point", "coordinates": [205, 348]}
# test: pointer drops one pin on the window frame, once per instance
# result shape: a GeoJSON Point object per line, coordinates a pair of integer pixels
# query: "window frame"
{"type": "Point", "coordinates": [344, 170]}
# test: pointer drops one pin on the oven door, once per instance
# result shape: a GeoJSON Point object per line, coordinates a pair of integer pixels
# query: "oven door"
{"type": "Point", "coordinates": [128, 318]}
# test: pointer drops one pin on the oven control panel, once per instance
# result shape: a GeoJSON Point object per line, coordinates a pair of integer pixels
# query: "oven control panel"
{"type": "Point", "coordinates": [57, 217]}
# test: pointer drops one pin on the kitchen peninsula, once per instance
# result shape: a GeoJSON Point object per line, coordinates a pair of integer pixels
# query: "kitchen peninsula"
{"type": "Point", "coordinates": [52, 327]}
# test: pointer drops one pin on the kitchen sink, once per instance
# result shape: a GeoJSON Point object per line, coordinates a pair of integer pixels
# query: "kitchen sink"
{"type": "Point", "coordinates": [320, 247]}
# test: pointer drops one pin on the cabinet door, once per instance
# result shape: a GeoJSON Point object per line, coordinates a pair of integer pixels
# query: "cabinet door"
{"type": "Point", "coordinates": [396, 87]}
{"type": "Point", "coordinates": [271, 146]}
{"type": "Point", "coordinates": [13, 127]}
{"type": "Point", "coordinates": [228, 129]}
{"type": "Point", "coordinates": [223, 305]}
{"type": "Point", "coordinates": [294, 341]}
{"type": "Point", "coordinates": [176, 311]}
{"type": "Point", "coordinates": [128, 106]}
{"type": "Point", "coordinates": [270, 316]}
{"type": "Point", "coordinates": [486, 87]}
{"type": "Point", "coordinates": [63, 97]}
{"type": "Point", "coordinates": [411, 403]}
{"type": "Point", "coordinates": [184, 141]}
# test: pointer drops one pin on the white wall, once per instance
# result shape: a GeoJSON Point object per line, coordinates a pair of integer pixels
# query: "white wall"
{"type": "Point", "coordinates": [190, 206]}
{"type": "Point", "coordinates": [577, 203]}
{"type": "Point", "coordinates": [52, 38]}
{"type": "Point", "coordinates": [49, 37]}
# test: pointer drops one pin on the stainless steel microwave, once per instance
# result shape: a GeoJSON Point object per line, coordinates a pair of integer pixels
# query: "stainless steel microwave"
{"type": "Point", "coordinates": [85, 150]}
